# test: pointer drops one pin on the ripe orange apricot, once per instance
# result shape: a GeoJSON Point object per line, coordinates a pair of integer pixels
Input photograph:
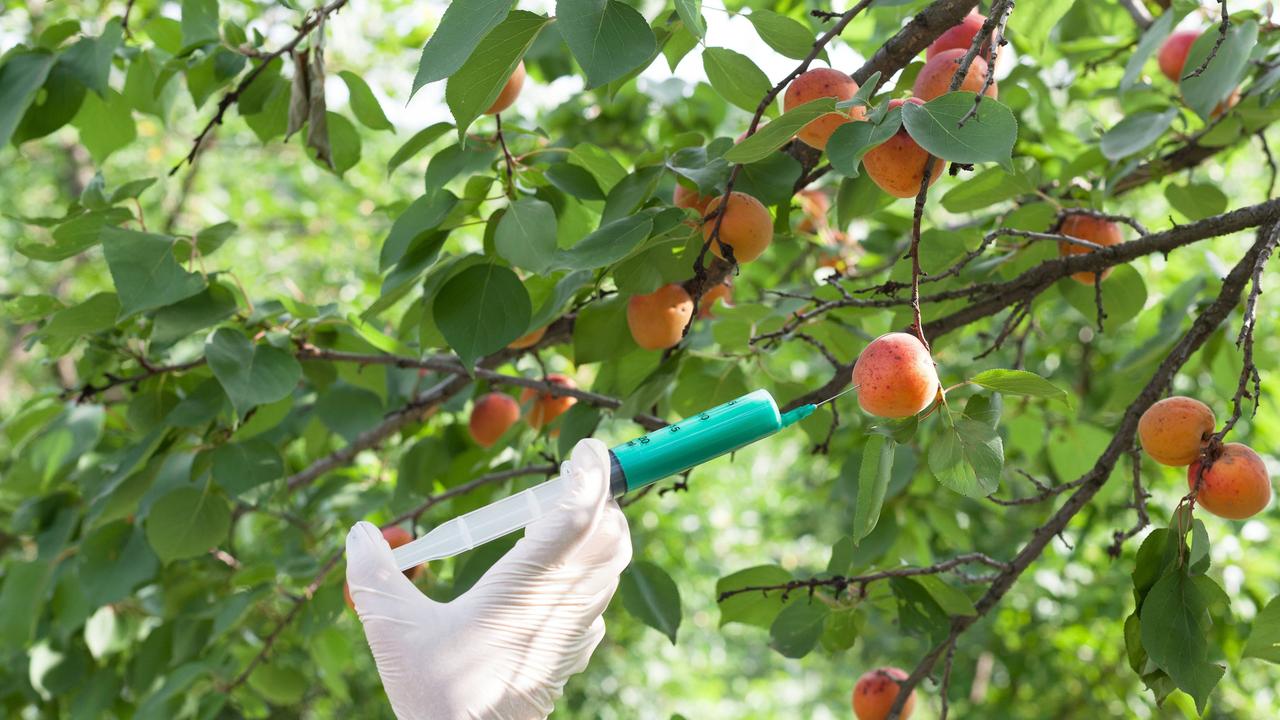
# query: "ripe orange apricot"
{"type": "Point", "coordinates": [895, 376]}
{"type": "Point", "coordinates": [960, 37]}
{"type": "Point", "coordinates": [528, 341]}
{"type": "Point", "coordinates": [395, 537]}
{"type": "Point", "coordinates": [875, 692]}
{"type": "Point", "coordinates": [815, 205]}
{"type": "Point", "coordinates": [1236, 485]}
{"type": "Point", "coordinates": [657, 320]}
{"type": "Point", "coordinates": [491, 417]}
{"type": "Point", "coordinates": [897, 164]}
{"type": "Point", "coordinates": [747, 227]}
{"type": "Point", "coordinates": [1174, 430]}
{"type": "Point", "coordinates": [547, 407]}
{"type": "Point", "coordinates": [822, 83]}
{"type": "Point", "coordinates": [684, 197]}
{"type": "Point", "coordinates": [1094, 230]}
{"type": "Point", "coordinates": [509, 91]}
{"type": "Point", "coordinates": [935, 77]}
{"type": "Point", "coordinates": [1174, 51]}
{"type": "Point", "coordinates": [722, 292]}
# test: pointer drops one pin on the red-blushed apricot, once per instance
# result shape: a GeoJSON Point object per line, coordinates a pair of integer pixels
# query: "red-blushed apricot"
{"type": "Point", "coordinates": [509, 91]}
{"type": "Point", "coordinates": [815, 205]}
{"type": "Point", "coordinates": [747, 227]}
{"type": "Point", "coordinates": [960, 37]}
{"type": "Point", "coordinates": [897, 164]}
{"type": "Point", "coordinates": [657, 320]}
{"type": "Point", "coordinates": [528, 341]}
{"type": "Point", "coordinates": [491, 416]}
{"type": "Point", "coordinates": [1173, 53]}
{"type": "Point", "coordinates": [822, 83]}
{"type": "Point", "coordinates": [395, 537]}
{"type": "Point", "coordinates": [895, 376]}
{"type": "Point", "coordinates": [722, 292]}
{"type": "Point", "coordinates": [684, 197]}
{"type": "Point", "coordinates": [1095, 230]}
{"type": "Point", "coordinates": [1236, 485]}
{"type": "Point", "coordinates": [875, 692]}
{"type": "Point", "coordinates": [547, 407]}
{"type": "Point", "coordinates": [934, 79]}
{"type": "Point", "coordinates": [1174, 430]}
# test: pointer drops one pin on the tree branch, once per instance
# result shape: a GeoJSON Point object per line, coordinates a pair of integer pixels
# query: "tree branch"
{"type": "Point", "coordinates": [839, 583]}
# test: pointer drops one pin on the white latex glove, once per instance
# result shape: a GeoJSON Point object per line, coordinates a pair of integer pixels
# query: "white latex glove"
{"type": "Point", "coordinates": [505, 648]}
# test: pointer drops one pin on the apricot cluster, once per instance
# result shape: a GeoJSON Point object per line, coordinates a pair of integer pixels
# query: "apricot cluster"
{"type": "Point", "coordinates": [1233, 481]}
{"type": "Point", "coordinates": [495, 413]}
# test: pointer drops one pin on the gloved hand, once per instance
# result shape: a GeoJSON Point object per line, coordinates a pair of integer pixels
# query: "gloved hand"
{"type": "Point", "coordinates": [505, 648]}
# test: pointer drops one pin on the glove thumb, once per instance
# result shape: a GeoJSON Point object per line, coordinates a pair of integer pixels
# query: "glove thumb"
{"type": "Point", "coordinates": [377, 587]}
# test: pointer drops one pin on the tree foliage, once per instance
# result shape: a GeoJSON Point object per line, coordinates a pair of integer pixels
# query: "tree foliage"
{"type": "Point", "coordinates": [250, 298]}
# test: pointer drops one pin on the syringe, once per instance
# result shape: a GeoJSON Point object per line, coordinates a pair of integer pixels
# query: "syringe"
{"type": "Point", "coordinates": [634, 464]}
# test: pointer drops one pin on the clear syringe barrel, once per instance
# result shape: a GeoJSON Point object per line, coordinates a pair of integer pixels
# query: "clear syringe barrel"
{"type": "Point", "coordinates": [635, 464]}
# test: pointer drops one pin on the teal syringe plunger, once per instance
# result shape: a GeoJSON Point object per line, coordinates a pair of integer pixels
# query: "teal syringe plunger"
{"type": "Point", "coordinates": [634, 464]}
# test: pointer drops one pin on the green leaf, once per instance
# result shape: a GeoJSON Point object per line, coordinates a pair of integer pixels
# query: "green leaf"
{"type": "Point", "coordinates": [199, 22]}
{"type": "Point", "coordinates": [1124, 294]}
{"type": "Point", "coordinates": [772, 180]}
{"type": "Point", "coordinates": [1222, 76]}
{"type": "Point", "coordinates": [968, 458]}
{"type": "Point", "coordinates": [1175, 631]}
{"type": "Point", "coordinates": [54, 105]}
{"type": "Point", "coordinates": [94, 315]}
{"type": "Point", "coordinates": [651, 596]}
{"type": "Point", "coordinates": [20, 78]}
{"type": "Point", "coordinates": [752, 608]}
{"type": "Point", "coordinates": [797, 628]}
{"type": "Point", "coordinates": [1021, 382]}
{"type": "Point", "coordinates": [144, 270]}
{"type": "Point", "coordinates": [473, 88]}
{"type": "Point", "coordinates": [113, 560]}
{"type": "Point", "coordinates": [526, 235]}
{"type": "Point", "coordinates": [1151, 40]}
{"type": "Point", "coordinates": [784, 34]}
{"type": "Point", "coordinates": [950, 600]}
{"type": "Point", "coordinates": [984, 189]}
{"type": "Point", "coordinates": [873, 481]}
{"type": "Point", "coordinates": [574, 180]}
{"type": "Point", "coordinates": [74, 236]}
{"type": "Point", "coordinates": [421, 217]}
{"type": "Point", "coordinates": [579, 422]}
{"type": "Point", "coordinates": [852, 140]}
{"type": "Point", "coordinates": [29, 308]}
{"type": "Point", "coordinates": [1196, 201]}
{"type": "Point", "coordinates": [187, 522]}
{"type": "Point", "coordinates": [177, 321]}
{"type": "Point", "coordinates": [415, 144]}
{"type": "Point", "coordinates": [1136, 133]}
{"type": "Point", "coordinates": [735, 77]}
{"type": "Point", "coordinates": [464, 24]}
{"type": "Point", "coordinates": [106, 125]}
{"type": "Point", "coordinates": [241, 466]}
{"type": "Point", "coordinates": [22, 599]}
{"type": "Point", "coordinates": [690, 12]}
{"type": "Point", "coordinates": [600, 332]}
{"type": "Point", "coordinates": [608, 38]}
{"type": "Point", "coordinates": [987, 137]}
{"type": "Point", "coordinates": [918, 612]}
{"type": "Point", "coordinates": [251, 375]}
{"type": "Point", "coordinates": [364, 104]}
{"type": "Point", "coordinates": [1033, 28]}
{"type": "Point", "coordinates": [349, 410]}
{"type": "Point", "coordinates": [611, 243]}
{"type": "Point", "coordinates": [775, 134]}
{"type": "Point", "coordinates": [89, 59]}
{"type": "Point", "coordinates": [480, 310]}
{"type": "Point", "coordinates": [1264, 635]}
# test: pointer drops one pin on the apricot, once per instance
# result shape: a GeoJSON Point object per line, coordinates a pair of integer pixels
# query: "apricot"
{"type": "Point", "coordinates": [657, 320]}
{"type": "Point", "coordinates": [1236, 485]}
{"type": "Point", "coordinates": [1174, 430]}
{"type": "Point", "coordinates": [509, 91]}
{"type": "Point", "coordinates": [875, 692]}
{"type": "Point", "coordinates": [747, 227]}
{"type": "Point", "coordinates": [1095, 230]}
{"type": "Point", "coordinates": [684, 197]}
{"type": "Point", "coordinates": [822, 83]}
{"type": "Point", "coordinates": [491, 417]}
{"type": "Point", "coordinates": [722, 292]}
{"type": "Point", "coordinates": [897, 164]}
{"type": "Point", "coordinates": [395, 537]}
{"type": "Point", "coordinates": [815, 205]}
{"type": "Point", "coordinates": [960, 36]}
{"type": "Point", "coordinates": [934, 79]}
{"type": "Point", "coordinates": [1173, 53]}
{"type": "Point", "coordinates": [895, 376]}
{"type": "Point", "coordinates": [547, 407]}
{"type": "Point", "coordinates": [527, 341]}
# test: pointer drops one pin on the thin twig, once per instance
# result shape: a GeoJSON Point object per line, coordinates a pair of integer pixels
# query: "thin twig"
{"type": "Point", "coordinates": [839, 583]}
{"type": "Point", "coordinates": [1222, 36]}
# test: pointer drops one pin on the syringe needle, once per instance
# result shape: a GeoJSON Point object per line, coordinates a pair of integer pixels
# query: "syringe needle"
{"type": "Point", "coordinates": [833, 397]}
